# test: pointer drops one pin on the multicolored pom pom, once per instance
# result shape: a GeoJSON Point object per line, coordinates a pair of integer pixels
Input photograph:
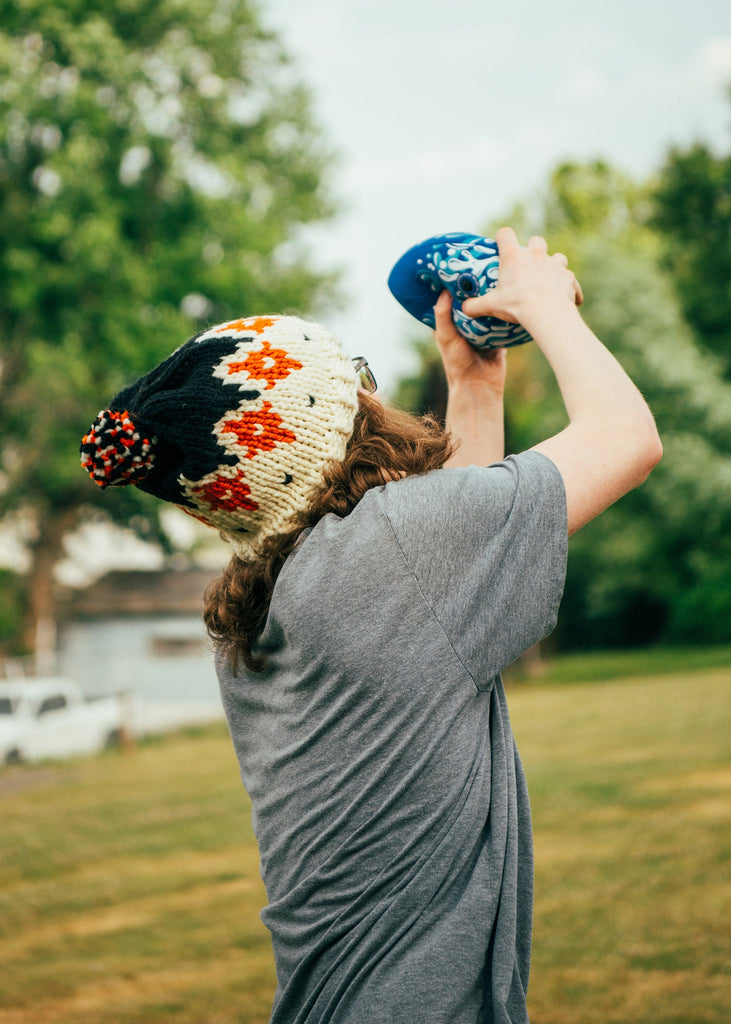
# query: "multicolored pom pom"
{"type": "Point", "coordinates": [115, 452]}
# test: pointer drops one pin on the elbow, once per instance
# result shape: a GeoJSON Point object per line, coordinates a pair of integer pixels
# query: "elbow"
{"type": "Point", "coordinates": [648, 451]}
{"type": "Point", "coordinates": [656, 451]}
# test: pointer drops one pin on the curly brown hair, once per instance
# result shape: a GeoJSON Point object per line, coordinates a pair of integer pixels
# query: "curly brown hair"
{"type": "Point", "coordinates": [386, 444]}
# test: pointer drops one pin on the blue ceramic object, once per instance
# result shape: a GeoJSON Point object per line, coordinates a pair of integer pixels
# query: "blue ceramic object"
{"type": "Point", "coordinates": [467, 266]}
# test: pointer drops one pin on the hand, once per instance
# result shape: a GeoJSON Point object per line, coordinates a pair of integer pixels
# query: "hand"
{"type": "Point", "coordinates": [528, 280]}
{"type": "Point", "coordinates": [464, 364]}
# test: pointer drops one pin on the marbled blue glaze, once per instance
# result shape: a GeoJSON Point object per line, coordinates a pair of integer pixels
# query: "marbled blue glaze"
{"type": "Point", "coordinates": [465, 264]}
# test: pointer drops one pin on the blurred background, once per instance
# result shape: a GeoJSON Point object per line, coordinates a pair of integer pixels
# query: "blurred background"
{"type": "Point", "coordinates": [165, 165]}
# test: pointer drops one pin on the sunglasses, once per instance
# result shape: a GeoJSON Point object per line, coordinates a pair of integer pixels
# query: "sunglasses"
{"type": "Point", "coordinates": [366, 380]}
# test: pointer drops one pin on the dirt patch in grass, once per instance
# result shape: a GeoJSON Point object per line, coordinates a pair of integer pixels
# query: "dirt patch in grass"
{"type": "Point", "coordinates": [717, 777]}
{"type": "Point", "coordinates": [577, 995]}
{"type": "Point", "coordinates": [178, 993]}
{"type": "Point", "coordinates": [22, 778]}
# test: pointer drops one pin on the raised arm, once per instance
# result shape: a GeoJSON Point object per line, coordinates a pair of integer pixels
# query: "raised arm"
{"type": "Point", "coordinates": [611, 443]}
{"type": "Point", "coordinates": [476, 381]}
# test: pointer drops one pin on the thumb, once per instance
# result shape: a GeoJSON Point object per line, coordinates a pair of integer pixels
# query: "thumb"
{"type": "Point", "coordinates": [480, 305]}
{"type": "Point", "coordinates": [492, 303]}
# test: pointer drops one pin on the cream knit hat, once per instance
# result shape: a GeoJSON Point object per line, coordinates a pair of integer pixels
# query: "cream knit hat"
{"type": "Point", "coordinates": [237, 427]}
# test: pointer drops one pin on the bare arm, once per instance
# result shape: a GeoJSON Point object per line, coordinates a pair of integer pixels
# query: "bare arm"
{"type": "Point", "coordinates": [476, 381]}
{"type": "Point", "coordinates": [611, 443]}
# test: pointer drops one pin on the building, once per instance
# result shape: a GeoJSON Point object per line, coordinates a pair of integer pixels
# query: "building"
{"type": "Point", "coordinates": [143, 632]}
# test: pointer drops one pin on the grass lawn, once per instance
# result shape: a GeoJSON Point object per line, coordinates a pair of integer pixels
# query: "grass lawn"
{"type": "Point", "coordinates": [129, 882]}
{"type": "Point", "coordinates": [631, 793]}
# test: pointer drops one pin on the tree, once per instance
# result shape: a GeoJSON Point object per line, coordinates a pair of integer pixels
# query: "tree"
{"type": "Point", "coordinates": [644, 570]}
{"type": "Point", "coordinates": [638, 571]}
{"type": "Point", "coordinates": [157, 158]}
{"type": "Point", "coordinates": [692, 210]}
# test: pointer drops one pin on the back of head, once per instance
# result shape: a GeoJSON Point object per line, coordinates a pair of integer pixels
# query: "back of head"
{"type": "Point", "coordinates": [237, 427]}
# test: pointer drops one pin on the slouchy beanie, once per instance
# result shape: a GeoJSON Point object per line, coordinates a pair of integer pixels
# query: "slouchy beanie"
{"type": "Point", "coordinates": [237, 427]}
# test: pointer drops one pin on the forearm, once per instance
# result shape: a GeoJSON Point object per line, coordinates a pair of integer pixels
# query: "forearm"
{"type": "Point", "coordinates": [611, 443]}
{"type": "Point", "coordinates": [597, 393]}
{"type": "Point", "coordinates": [475, 420]}
{"type": "Point", "coordinates": [475, 382]}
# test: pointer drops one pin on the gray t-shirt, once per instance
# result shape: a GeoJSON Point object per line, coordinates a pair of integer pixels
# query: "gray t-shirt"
{"type": "Point", "coordinates": [389, 801]}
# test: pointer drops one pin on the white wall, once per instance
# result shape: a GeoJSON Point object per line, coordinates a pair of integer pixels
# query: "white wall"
{"type": "Point", "coordinates": [166, 662]}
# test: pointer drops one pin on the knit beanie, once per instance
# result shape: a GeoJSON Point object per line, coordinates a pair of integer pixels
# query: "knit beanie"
{"type": "Point", "coordinates": [237, 427]}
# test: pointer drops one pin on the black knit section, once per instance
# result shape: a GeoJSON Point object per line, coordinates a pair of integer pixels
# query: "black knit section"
{"type": "Point", "coordinates": [180, 401]}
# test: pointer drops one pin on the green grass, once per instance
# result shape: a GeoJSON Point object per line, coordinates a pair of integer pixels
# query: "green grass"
{"type": "Point", "coordinates": [129, 887]}
{"type": "Point", "coordinates": [590, 666]}
{"type": "Point", "coordinates": [631, 793]}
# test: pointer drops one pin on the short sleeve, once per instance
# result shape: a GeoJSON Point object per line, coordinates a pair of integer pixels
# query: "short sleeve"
{"type": "Point", "coordinates": [487, 547]}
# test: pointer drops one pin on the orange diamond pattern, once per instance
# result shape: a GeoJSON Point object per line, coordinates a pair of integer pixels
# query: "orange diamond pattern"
{"type": "Point", "coordinates": [226, 493]}
{"type": "Point", "coordinates": [259, 430]}
{"type": "Point", "coordinates": [269, 364]}
{"type": "Point", "coordinates": [257, 324]}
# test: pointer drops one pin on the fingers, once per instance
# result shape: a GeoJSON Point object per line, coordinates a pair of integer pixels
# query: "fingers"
{"type": "Point", "coordinates": [443, 322]}
{"type": "Point", "coordinates": [522, 271]}
{"type": "Point", "coordinates": [443, 311]}
{"type": "Point", "coordinates": [480, 305]}
{"type": "Point", "coordinates": [578, 294]}
{"type": "Point", "coordinates": [507, 241]}
{"type": "Point", "coordinates": [474, 307]}
{"type": "Point", "coordinates": [563, 261]}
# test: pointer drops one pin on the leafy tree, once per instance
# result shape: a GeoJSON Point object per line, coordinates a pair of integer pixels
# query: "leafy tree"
{"type": "Point", "coordinates": [638, 570]}
{"type": "Point", "coordinates": [692, 210]}
{"type": "Point", "coordinates": [425, 391]}
{"type": "Point", "coordinates": [157, 158]}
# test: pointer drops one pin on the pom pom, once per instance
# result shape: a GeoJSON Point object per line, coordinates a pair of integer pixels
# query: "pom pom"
{"type": "Point", "coordinates": [115, 452]}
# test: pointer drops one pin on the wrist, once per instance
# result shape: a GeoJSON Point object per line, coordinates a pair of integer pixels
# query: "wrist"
{"type": "Point", "coordinates": [474, 390]}
{"type": "Point", "coordinates": [539, 310]}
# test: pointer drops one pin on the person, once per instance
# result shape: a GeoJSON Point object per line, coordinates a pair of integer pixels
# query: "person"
{"type": "Point", "coordinates": [385, 572]}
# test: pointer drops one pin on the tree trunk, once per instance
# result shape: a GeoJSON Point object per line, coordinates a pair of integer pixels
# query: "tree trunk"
{"type": "Point", "coordinates": [39, 634]}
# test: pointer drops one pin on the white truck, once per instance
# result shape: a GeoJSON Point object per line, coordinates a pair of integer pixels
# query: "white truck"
{"type": "Point", "coordinates": [51, 718]}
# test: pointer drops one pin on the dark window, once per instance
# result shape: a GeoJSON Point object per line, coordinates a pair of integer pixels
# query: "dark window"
{"type": "Point", "coordinates": [55, 703]}
{"type": "Point", "coordinates": [176, 646]}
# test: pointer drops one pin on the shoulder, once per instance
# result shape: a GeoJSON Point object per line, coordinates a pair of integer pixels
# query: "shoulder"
{"type": "Point", "coordinates": [445, 509]}
{"type": "Point", "coordinates": [487, 547]}
{"type": "Point", "coordinates": [465, 494]}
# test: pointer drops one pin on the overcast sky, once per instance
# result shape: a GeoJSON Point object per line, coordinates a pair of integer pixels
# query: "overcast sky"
{"type": "Point", "coordinates": [446, 113]}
